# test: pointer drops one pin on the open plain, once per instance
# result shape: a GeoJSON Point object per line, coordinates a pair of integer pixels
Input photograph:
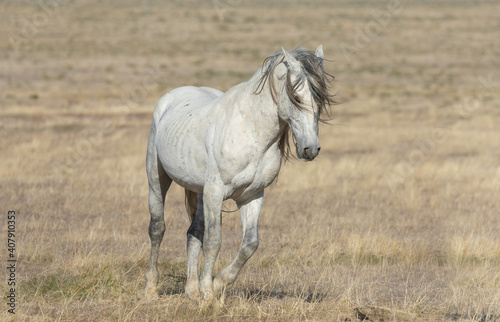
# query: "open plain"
{"type": "Point", "coordinates": [398, 217]}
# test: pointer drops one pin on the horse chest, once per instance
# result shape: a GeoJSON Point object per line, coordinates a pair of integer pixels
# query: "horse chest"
{"type": "Point", "coordinates": [257, 174]}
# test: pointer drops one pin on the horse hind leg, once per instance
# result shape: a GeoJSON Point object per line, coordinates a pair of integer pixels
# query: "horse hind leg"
{"type": "Point", "coordinates": [194, 207]}
{"type": "Point", "coordinates": [159, 182]}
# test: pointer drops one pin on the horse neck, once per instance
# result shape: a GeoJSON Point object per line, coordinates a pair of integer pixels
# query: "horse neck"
{"type": "Point", "coordinates": [261, 109]}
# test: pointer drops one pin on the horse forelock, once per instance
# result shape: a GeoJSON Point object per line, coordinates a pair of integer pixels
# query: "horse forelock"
{"type": "Point", "coordinates": [317, 78]}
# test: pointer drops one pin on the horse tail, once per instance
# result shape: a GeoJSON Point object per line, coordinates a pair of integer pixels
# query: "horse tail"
{"type": "Point", "coordinates": [191, 201]}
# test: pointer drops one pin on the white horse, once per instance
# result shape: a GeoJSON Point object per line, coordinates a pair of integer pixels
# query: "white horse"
{"type": "Point", "coordinates": [230, 145]}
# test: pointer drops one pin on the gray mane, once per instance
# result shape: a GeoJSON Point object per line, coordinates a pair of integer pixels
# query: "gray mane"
{"type": "Point", "coordinates": [312, 72]}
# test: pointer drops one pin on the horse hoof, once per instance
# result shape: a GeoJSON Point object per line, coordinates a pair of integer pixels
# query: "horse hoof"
{"type": "Point", "coordinates": [218, 285]}
{"type": "Point", "coordinates": [151, 293]}
{"type": "Point", "coordinates": [208, 296]}
{"type": "Point", "coordinates": [193, 294]}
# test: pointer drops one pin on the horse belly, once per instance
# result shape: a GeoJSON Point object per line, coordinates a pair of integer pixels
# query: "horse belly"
{"type": "Point", "coordinates": [186, 174]}
{"type": "Point", "coordinates": [182, 152]}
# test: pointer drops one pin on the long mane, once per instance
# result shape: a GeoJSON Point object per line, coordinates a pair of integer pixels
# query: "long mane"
{"type": "Point", "coordinates": [317, 78]}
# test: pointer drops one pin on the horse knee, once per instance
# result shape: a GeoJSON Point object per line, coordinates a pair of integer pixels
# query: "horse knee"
{"type": "Point", "coordinates": [214, 243]}
{"type": "Point", "coordinates": [156, 229]}
{"type": "Point", "coordinates": [250, 246]}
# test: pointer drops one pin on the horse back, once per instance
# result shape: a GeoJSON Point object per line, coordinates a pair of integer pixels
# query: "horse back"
{"type": "Point", "coordinates": [183, 97]}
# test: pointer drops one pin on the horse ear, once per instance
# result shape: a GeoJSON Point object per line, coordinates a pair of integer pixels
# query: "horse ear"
{"type": "Point", "coordinates": [320, 55]}
{"type": "Point", "coordinates": [319, 52]}
{"type": "Point", "coordinates": [291, 63]}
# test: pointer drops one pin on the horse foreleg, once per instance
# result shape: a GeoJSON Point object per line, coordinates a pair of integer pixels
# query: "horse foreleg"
{"type": "Point", "coordinates": [194, 244]}
{"type": "Point", "coordinates": [249, 212]}
{"type": "Point", "coordinates": [212, 204]}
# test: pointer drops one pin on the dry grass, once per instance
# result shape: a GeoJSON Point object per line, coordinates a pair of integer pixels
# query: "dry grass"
{"type": "Point", "coordinates": [356, 228]}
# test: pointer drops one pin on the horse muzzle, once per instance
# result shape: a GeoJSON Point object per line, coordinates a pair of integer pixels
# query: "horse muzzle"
{"type": "Point", "coordinates": [308, 153]}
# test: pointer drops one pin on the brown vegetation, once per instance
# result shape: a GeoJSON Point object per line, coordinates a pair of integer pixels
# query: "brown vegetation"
{"type": "Point", "coordinates": [398, 217]}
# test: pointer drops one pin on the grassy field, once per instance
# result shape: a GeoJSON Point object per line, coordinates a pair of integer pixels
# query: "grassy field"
{"type": "Point", "coordinates": [399, 216]}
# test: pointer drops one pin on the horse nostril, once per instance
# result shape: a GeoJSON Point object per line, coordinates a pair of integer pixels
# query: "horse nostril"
{"type": "Point", "coordinates": [310, 153]}
{"type": "Point", "coordinates": [319, 148]}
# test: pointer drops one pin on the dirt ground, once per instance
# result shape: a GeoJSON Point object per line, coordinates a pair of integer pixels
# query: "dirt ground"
{"type": "Point", "coordinates": [398, 217]}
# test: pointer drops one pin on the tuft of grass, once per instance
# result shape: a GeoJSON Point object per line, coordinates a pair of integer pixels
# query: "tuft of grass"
{"type": "Point", "coordinates": [90, 285]}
